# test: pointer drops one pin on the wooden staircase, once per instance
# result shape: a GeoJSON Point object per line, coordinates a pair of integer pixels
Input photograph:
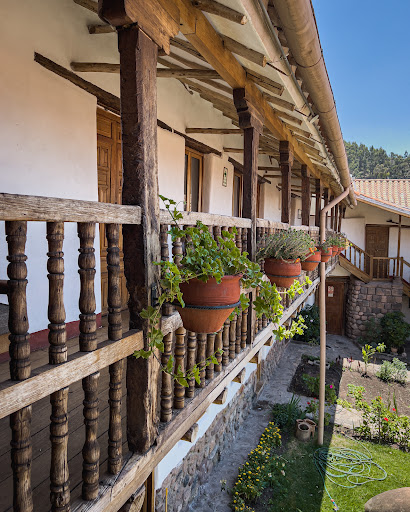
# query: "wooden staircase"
{"type": "Point", "coordinates": [367, 268]}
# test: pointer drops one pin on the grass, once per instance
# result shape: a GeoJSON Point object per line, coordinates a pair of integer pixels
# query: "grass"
{"type": "Point", "coordinates": [305, 492]}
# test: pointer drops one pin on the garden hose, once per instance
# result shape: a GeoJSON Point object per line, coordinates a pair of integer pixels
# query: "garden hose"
{"type": "Point", "coordinates": [353, 466]}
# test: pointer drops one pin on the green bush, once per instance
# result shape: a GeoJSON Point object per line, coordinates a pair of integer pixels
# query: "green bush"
{"type": "Point", "coordinates": [372, 334]}
{"type": "Point", "coordinates": [311, 334]}
{"type": "Point", "coordinates": [393, 371]}
{"type": "Point", "coordinates": [395, 330]}
{"type": "Point", "coordinates": [313, 384]}
{"type": "Point", "coordinates": [285, 415]}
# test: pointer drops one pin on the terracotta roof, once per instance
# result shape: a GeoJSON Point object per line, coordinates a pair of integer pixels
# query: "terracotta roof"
{"type": "Point", "coordinates": [395, 193]}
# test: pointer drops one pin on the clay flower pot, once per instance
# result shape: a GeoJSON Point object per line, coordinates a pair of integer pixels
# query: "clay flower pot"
{"type": "Point", "coordinates": [312, 261]}
{"type": "Point", "coordinates": [208, 305]}
{"type": "Point", "coordinates": [326, 255]}
{"type": "Point", "coordinates": [335, 250]}
{"type": "Point", "coordinates": [282, 272]}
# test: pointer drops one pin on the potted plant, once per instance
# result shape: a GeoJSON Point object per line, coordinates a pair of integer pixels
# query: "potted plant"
{"type": "Point", "coordinates": [326, 251]}
{"type": "Point", "coordinates": [338, 242]}
{"type": "Point", "coordinates": [312, 260]}
{"type": "Point", "coordinates": [208, 281]}
{"type": "Point", "coordinates": [282, 253]}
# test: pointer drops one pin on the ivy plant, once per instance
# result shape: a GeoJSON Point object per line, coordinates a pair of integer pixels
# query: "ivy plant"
{"type": "Point", "coordinates": [207, 258]}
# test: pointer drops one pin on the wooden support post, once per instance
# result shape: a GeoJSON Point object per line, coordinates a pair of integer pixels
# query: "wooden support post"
{"type": "Point", "coordinates": [138, 58]}
{"type": "Point", "coordinates": [221, 399]}
{"type": "Point", "coordinates": [240, 378]}
{"type": "Point", "coordinates": [332, 214]}
{"type": "Point", "coordinates": [286, 161]}
{"type": "Point", "coordinates": [20, 369]}
{"type": "Point", "coordinates": [398, 246]}
{"type": "Point", "coordinates": [191, 434]}
{"type": "Point", "coordinates": [339, 219]}
{"type": "Point", "coordinates": [319, 193]}
{"type": "Point", "coordinates": [251, 122]}
{"type": "Point", "coordinates": [326, 196]}
{"type": "Point", "coordinates": [305, 195]}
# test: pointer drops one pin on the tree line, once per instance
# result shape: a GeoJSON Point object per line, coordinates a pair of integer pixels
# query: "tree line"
{"type": "Point", "coordinates": [375, 163]}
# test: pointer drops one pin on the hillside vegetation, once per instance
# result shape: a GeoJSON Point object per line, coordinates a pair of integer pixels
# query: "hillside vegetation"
{"type": "Point", "coordinates": [374, 162]}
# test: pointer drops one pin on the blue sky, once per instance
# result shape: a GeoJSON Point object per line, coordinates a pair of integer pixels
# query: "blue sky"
{"type": "Point", "coordinates": [366, 45]}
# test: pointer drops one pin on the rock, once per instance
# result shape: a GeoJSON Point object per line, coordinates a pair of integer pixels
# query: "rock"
{"type": "Point", "coordinates": [396, 500]}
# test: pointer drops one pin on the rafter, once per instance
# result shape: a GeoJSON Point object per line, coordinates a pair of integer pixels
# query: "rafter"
{"type": "Point", "coordinates": [240, 49]}
{"type": "Point", "coordinates": [218, 9]}
{"type": "Point", "coordinates": [215, 131]}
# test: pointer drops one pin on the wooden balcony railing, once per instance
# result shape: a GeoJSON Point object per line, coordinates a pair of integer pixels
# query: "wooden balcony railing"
{"type": "Point", "coordinates": [94, 370]}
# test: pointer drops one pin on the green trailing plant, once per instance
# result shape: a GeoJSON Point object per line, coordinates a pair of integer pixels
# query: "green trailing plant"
{"type": "Point", "coordinates": [311, 333]}
{"type": "Point", "coordinates": [380, 421]}
{"type": "Point", "coordinates": [290, 244]}
{"type": "Point", "coordinates": [207, 258]}
{"type": "Point", "coordinates": [394, 371]}
{"type": "Point", "coordinates": [395, 330]}
{"type": "Point", "coordinates": [285, 415]}
{"type": "Point", "coordinates": [369, 351]}
{"type": "Point", "coordinates": [372, 332]}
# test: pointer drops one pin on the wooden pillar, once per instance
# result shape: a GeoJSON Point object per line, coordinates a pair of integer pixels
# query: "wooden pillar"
{"type": "Point", "coordinates": [398, 245]}
{"type": "Point", "coordinates": [319, 193]}
{"type": "Point", "coordinates": [138, 61]}
{"type": "Point", "coordinates": [286, 161]}
{"type": "Point", "coordinates": [251, 122]}
{"type": "Point", "coordinates": [332, 214]}
{"type": "Point", "coordinates": [326, 196]}
{"type": "Point", "coordinates": [305, 195]}
{"type": "Point", "coordinates": [339, 219]}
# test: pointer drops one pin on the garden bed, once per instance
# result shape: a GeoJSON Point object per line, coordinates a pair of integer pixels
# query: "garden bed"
{"type": "Point", "coordinates": [298, 384]}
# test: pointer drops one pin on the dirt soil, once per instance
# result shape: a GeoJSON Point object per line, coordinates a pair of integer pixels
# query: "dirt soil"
{"type": "Point", "coordinates": [375, 387]}
{"type": "Point", "coordinates": [298, 386]}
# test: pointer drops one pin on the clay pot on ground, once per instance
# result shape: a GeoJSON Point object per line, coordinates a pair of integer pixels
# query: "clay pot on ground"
{"type": "Point", "coordinates": [282, 272]}
{"type": "Point", "coordinates": [311, 262]}
{"type": "Point", "coordinates": [304, 429]}
{"type": "Point", "coordinates": [208, 305]}
{"type": "Point", "coordinates": [326, 255]}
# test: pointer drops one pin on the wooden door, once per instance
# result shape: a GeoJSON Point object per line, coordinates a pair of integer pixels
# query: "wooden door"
{"type": "Point", "coordinates": [377, 245]}
{"type": "Point", "coordinates": [335, 301]}
{"type": "Point", "coordinates": [109, 165]}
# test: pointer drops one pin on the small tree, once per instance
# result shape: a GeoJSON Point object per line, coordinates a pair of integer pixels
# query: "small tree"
{"type": "Point", "coordinates": [368, 352]}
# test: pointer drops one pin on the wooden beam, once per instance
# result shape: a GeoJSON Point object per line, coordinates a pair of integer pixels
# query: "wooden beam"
{"type": "Point", "coordinates": [221, 399]}
{"type": "Point", "coordinates": [187, 47]}
{"type": "Point", "coordinates": [242, 50]}
{"type": "Point", "coordinates": [264, 151]}
{"type": "Point", "coordinates": [141, 244]}
{"type": "Point", "coordinates": [191, 434]}
{"type": "Point", "coordinates": [305, 196]}
{"type": "Point", "coordinates": [257, 358]}
{"type": "Point", "coordinates": [269, 168]}
{"type": "Point", "coordinates": [104, 98]}
{"type": "Point", "coordinates": [215, 131]}
{"type": "Point", "coordinates": [319, 194]}
{"type": "Point", "coordinates": [240, 378]}
{"type": "Point", "coordinates": [264, 81]}
{"type": "Point", "coordinates": [279, 102]}
{"type": "Point", "coordinates": [157, 18]}
{"type": "Point", "coordinates": [88, 4]}
{"type": "Point", "coordinates": [286, 161]}
{"type": "Point", "coordinates": [326, 197]}
{"type": "Point", "coordinates": [270, 342]}
{"type": "Point", "coordinates": [223, 11]}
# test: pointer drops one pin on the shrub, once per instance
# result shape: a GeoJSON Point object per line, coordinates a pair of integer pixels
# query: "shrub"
{"type": "Point", "coordinates": [311, 334]}
{"type": "Point", "coordinates": [380, 421]}
{"type": "Point", "coordinates": [393, 371]}
{"type": "Point", "coordinates": [395, 330]}
{"type": "Point", "coordinates": [262, 469]}
{"type": "Point", "coordinates": [372, 334]}
{"type": "Point", "coordinates": [291, 244]}
{"type": "Point", "coordinates": [313, 384]}
{"type": "Point", "coordinates": [285, 415]}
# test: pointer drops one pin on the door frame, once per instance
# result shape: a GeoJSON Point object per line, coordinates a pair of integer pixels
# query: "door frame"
{"type": "Point", "coordinates": [345, 281]}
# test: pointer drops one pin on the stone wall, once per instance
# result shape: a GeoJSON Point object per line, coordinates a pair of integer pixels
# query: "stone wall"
{"type": "Point", "coordinates": [184, 480]}
{"type": "Point", "coordinates": [370, 300]}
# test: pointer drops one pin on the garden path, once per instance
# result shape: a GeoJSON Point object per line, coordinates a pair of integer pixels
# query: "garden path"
{"type": "Point", "coordinates": [210, 497]}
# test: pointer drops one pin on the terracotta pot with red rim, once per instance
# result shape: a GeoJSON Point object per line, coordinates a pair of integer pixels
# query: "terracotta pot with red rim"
{"type": "Point", "coordinates": [282, 272]}
{"type": "Point", "coordinates": [335, 250]}
{"type": "Point", "coordinates": [208, 305]}
{"type": "Point", "coordinates": [311, 262]}
{"type": "Point", "coordinates": [326, 255]}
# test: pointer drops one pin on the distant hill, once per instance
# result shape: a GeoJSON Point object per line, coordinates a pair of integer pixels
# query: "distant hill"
{"type": "Point", "coordinates": [374, 162]}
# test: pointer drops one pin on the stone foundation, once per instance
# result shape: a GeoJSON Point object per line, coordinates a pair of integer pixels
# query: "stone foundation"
{"type": "Point", "coordinates": [370, 300]}
{"type": "Point", "coordinates": [184, 480]}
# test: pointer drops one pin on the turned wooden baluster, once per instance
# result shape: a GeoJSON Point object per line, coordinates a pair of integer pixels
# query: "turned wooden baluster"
{"type": "Point", "coordinates": [114, 333]}
{"type": "Point", "coordinates": [167, 309]}
{"type": "Point", "coordinates": [200, 358]}
{"type": "Point", "coordinates": [244, 328]}
{"type": "Point", "coordinates": [238, 334]}
{"type": "Point", "coordinates": [244, 238]}
{"type": "Point", "coordinates": [20, 369]}
{"type": "Point", "coordinates": [217, 233]}
{"type": "Point", "coordinates": [59, 483]}
{"type": "Point", "coordinates": [166, 388]}
{"type": "Point", "coordinates": [232, 338]}
{"type": "Point", "coordinates": [225, 342]}
{"type": "Point", "coordinates": [88, 343]}
{"type": "Point", "coordinates": [86, 263]}
{"type": "Point", "coordinates": [177, 251]}
{"type": "Point", "coordinates": [210, 349]}
{"type": "Point", "coordinates": [190, 363]}
{"type": "Point", "coordinates": [238, 238]}
{"type": "Point", "coordinates": [218, 355]}
{"type": "Point", "coordinates": [264, 321]}
{"type": "Point", "coordinates": [179, 389]}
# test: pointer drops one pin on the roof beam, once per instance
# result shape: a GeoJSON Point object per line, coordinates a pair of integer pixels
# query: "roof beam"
{"type": "Point", "coordinates": [88, 4]}
{"type": "Point", "coordinates": [101, 29]}
{"type": "Point", "coordinates": [215, 131]}
{"type": "Point", "coordinates": [218, 9]}
{"type": "Point", "coordinates": [240, 49]}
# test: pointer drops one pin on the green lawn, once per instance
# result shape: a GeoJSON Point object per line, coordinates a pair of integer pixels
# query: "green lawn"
{"type": "Point", "coordinates": [305, 492]}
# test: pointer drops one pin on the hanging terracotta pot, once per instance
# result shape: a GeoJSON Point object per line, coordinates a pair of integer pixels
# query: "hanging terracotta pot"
{"type": "Point", "coordinates": [282, 272]}
{"type": "Point", "coordinates": [208, 305]}
{"type": "Point", "coordinates": [326, 255]}
{"type": "Point", "coordinates": [335, 250]}
{"type": "Point", "coordinates": [312, 261]}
